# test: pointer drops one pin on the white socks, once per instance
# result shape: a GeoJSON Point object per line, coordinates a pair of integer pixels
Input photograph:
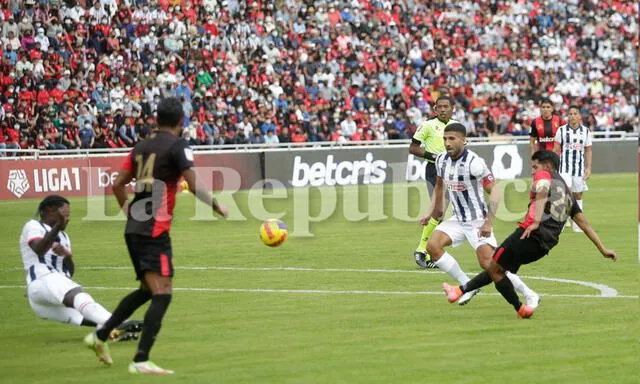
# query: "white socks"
{"type": "Point", "coordinates": [580, 203]}
{"type": "Point", "coordinates": [90, 310]}
{"type": "Point", "coordinates": [448, 264]}
{"type": "Point", "coordinates": [519, 285]}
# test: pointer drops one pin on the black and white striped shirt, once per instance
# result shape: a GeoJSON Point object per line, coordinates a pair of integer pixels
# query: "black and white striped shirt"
{"type": "Point", "coordinates": [464, 179]}
{"type": "Point", "coordinates": [573, 143]}
{"type": "Point", "coordinates": [38, 266]}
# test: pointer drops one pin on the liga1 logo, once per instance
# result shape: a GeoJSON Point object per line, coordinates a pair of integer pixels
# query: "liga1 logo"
{"type": "Point", "coordinates": [44, 180]}
{"type": "Point", "coordinates": [18, 182]}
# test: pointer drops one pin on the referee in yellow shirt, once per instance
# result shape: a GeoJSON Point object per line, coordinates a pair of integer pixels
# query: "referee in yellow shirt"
{"type": "Point", "coordinates": [428, 143]}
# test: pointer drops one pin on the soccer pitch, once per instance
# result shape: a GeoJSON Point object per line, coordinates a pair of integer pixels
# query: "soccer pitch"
{"type": "Point", "coordinates": [347, 305]}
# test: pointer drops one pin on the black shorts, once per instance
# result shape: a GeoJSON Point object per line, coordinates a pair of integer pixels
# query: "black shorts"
{"type": "Point", "coordinates": [150, 254]}
{"type": "Point", "coordinates": [514, 251]}
{"type": "Point", "coordinates": [431, 175]}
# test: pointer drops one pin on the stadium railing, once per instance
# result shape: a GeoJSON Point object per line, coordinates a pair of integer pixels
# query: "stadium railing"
{"type": "Point", "coordinates": [30, 154]}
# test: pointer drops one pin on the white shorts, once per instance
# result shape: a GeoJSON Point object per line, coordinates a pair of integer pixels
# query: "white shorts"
{"type": "Point", "coordinates": [575, 183]}
{"type": "Point", "coordinates": [46, 294]}
{"type": "Point", "coordinates": [459, 232]}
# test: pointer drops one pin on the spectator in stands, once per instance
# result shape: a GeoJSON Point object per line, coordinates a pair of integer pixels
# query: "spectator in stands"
{"type": "Point", "coordinates": [87, 135]}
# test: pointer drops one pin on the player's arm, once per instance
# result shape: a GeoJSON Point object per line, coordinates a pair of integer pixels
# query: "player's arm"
{"type": "Point", "coordinates": [588, 230]}
{"type": "Point", "coordinates": [436, 207]}
{"type": "Point", "coordinates": [120, 188]}
{"type": "Point", "coordinates": [588, 155]}
{"type": "Point", "coordinates": [494, 201]}
{"type": "Point", "coordinates": [438, 199]}
{"type": "Point", "coordinates": [532, 144]}
{"type": "Point", "coordinates": [542, 191]}
{"type": "Point", "coordinates": [198, 189]}
{"type": "Point", "coordinates": [42, 245]}
{"type": "Point", "coordinates": [125, 176]}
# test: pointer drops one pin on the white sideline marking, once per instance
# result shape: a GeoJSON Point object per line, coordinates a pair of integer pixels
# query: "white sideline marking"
{"type": "Point", "coordinates": [328, 292]}
{"type": "Point", "coordinates": [605, 290]}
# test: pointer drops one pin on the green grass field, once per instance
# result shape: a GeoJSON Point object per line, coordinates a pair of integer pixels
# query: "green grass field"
{"type": "Point", "coordinates": [351, 308]}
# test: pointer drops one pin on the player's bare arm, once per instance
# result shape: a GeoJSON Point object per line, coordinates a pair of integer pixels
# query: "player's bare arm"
{"type": "Point", "coordinates": [120, 188]}
{"type": "Point", "coordinates": [436, 207]}
{"type": "Point", "coordinates": [532, 144]}
{"type": "Point", "coordinates": [588, 230]}
{"type": "Point", "coordinates": [588, 155]}
{"type": "Point", "coordinates": [557, 148]}
{"type": "Point", "coordinates": [41, 246]}
{"type": "Point", "coordinates": [493, 203]}
{"type": "Point", "coordinates": [197, 188]}
{"type": "Point", "coordinates": [540, 202]}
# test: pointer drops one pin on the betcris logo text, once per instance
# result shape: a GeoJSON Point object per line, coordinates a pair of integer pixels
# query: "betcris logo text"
{"type": "Point", "coordinates": [330, 172]}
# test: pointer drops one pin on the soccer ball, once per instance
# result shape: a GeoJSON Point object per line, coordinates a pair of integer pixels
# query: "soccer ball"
{"type": "Point", "coordinates": [273, 232]}
{"type": "Point", "coordinates": [184, 186]}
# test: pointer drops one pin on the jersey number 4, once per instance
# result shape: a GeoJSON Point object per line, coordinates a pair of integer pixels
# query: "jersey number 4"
{"type": "Point", "coordinates": [144, 173]}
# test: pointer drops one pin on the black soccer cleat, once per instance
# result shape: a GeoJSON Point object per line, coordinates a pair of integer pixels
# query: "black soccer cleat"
{"type": "Point", "coordinates": [421, 259]}
{"type": "Point", "coordinates": [126, 331]}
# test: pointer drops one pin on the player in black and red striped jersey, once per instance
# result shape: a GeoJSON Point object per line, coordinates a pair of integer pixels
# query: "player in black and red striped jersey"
{"type": "Point", "coordinates": [156, 164]}
{"type": "Point", "coordinates": [550, 206]}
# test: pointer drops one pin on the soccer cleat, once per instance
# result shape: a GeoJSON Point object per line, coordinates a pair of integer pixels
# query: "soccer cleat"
{"type": "Point", "coordinates": [532, 300]}
{"type": "Point", "coordinates": [464, 299]}
{"type": "Point", "coordinates": [575, 228]}
{"type": "Point", "coordinates": [453, 292]}
{"type": "Point", "coordinates": [525, 312]}
{"type": "Point", "coordinates": [147, 368]}
{"type": "Point", "coordinates": [99, 347]}
{"type": "Point", "coordinates": [128, 330]}
{"type": "Point", "coordinates": [421, 260]}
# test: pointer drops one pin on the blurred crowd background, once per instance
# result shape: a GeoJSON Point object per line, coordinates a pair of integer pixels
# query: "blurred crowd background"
{"type": "Point", "coordinates": [89, 74]}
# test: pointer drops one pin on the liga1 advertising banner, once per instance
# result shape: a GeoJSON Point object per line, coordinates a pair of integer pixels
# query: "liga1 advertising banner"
{"type": "Point", "coordinates": [94, 176]}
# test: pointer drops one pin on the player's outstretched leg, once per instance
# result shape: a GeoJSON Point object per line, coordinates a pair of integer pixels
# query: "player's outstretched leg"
{"type": "Point", "coordinates": [455, 293]}
{"type": "Point", "coordinates": [505, 287]}
{"type": "Point", "coordinates": [531, 298]}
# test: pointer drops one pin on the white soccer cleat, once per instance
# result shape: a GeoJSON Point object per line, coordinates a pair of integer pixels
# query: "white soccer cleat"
{"type": "Point", "coordinates": [466, 297]}
{"type": "Point", "coordinates": [575, 227]}
{"type": "Point", "coordinates": [532, 300]}
{"type": "Point", "coordinates": [147, 368]}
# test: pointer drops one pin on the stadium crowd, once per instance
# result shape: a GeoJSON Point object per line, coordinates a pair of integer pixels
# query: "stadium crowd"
{"type": "Point", "coordinates": [90, 73]}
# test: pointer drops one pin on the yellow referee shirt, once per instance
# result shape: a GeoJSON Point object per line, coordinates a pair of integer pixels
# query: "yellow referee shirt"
{"type": "Point", "coordinates": [430, 134]}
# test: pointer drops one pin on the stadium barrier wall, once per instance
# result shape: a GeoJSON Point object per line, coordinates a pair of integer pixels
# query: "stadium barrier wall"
{"type": "Point", "coordinates": [377, 165]}
{"type": "Point", "coordinates": [93, 175]}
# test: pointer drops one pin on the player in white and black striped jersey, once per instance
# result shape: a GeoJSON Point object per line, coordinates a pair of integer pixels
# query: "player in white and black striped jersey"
{"type": "Point", "coordinates": [465, 177]}
{"type": "Point", "coordinates": [573, 145]}
{"type": "Point", "coordinates": [48, 263]}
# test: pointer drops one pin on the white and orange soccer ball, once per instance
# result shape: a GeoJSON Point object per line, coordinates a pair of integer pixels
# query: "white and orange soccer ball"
{"type": "Point", "coordinates": [273, 232]}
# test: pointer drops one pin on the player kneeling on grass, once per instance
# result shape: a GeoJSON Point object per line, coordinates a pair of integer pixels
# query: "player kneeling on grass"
{"type": "Point", "coordinates": [466, 178]}
{"type": "Point", "coordinates": [47, 259]}
{"type": "Point", "coordinates": [551, 204]}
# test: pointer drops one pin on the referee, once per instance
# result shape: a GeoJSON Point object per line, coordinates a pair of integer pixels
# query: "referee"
{"type": "Point", "coordinates": [428, 143]}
